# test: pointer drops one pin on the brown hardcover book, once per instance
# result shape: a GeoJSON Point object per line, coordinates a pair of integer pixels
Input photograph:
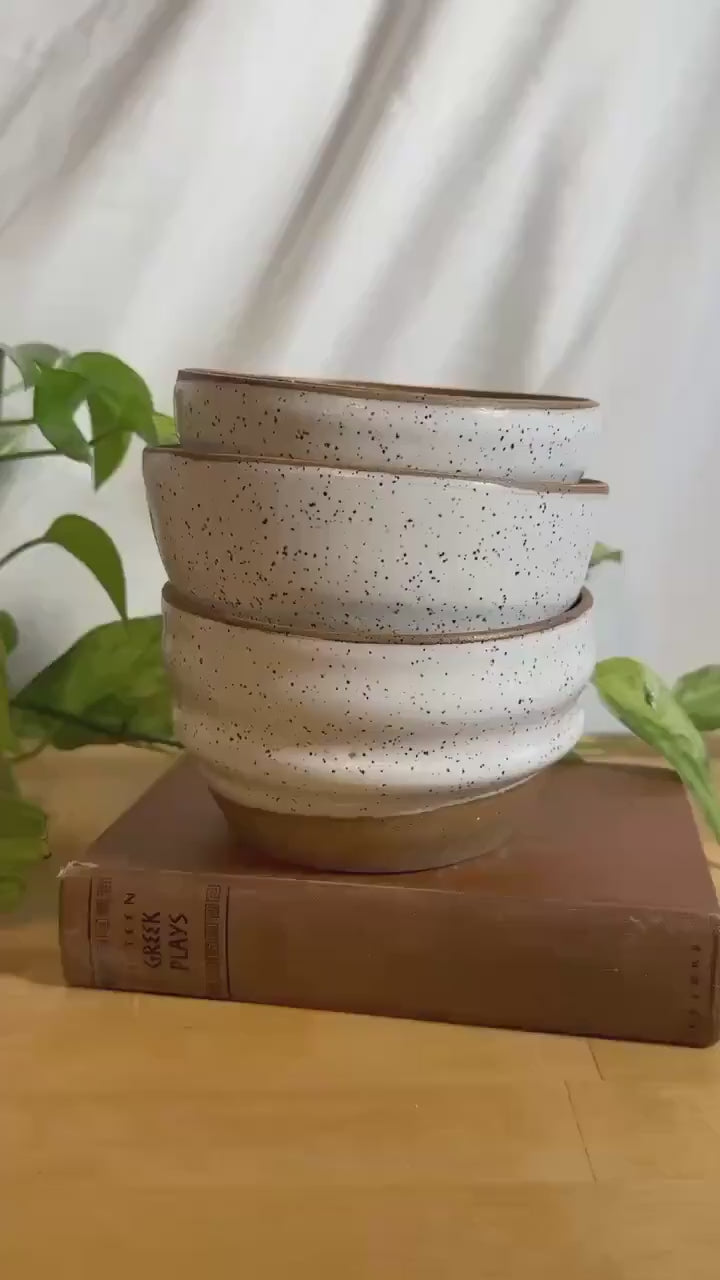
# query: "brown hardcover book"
{"type": "Point", "coordinates": [600, 918]}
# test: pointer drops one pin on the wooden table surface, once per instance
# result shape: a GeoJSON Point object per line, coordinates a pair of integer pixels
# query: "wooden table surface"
{"type": "Point", "coordinates": [152, 1137]}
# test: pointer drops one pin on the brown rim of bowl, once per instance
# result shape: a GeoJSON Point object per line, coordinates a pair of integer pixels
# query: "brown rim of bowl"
{"type": "Point", "coordinates": [394, 390]}
{"type": "Point", "coordinates": [542, 486]}
{"type": "Point", "coordinates": [210, 613]}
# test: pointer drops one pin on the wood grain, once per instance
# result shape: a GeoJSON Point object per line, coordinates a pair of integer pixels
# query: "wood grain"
{"type": "Point", "coordinates": [153, 1136]}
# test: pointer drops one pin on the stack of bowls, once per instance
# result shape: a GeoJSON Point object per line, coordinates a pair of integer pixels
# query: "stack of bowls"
{"type": "Point", "coordinates": [375, 622]}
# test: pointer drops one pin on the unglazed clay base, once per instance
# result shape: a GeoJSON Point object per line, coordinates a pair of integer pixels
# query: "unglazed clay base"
{"type": "Point", "coordinates": [410, 842]}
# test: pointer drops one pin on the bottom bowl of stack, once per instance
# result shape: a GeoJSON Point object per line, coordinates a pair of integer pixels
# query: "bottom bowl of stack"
{"type": "Point", "coordinates": [375, 756]}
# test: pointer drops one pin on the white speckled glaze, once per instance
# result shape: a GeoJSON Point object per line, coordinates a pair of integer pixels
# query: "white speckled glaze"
{"type": "Point", "coordinates": [304, 725]}
{"type": "Point", "coordinates": [354, 553]}
{"type": "Point", "coordinates": [364, 424]}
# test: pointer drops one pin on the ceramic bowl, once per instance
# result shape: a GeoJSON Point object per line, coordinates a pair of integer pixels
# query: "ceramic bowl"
{"type": "Point", "coordinates": [356, 553]}
{"type": "Point", "coordinates": [365, 424]}
{"type": "Point", "coordinates": [318, 747]}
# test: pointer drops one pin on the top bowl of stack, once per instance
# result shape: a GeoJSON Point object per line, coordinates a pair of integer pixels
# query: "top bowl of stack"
{"type": "Point", "coordinates": [524, 439]}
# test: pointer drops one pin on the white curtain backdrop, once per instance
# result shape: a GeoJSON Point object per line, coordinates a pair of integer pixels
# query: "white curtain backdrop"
{"type": "Point", "coordinates": [522, 194]}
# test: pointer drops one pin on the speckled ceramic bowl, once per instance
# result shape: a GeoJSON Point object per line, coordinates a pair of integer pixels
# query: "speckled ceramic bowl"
{"type": "Point", "coordinates": [505, 436]}
{"type": "Point", "coordinates": [350, 738]}
{"type": "Point", "coordinates": [367, 553]}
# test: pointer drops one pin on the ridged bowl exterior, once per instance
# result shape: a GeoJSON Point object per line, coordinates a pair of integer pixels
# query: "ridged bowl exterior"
{"type": "Point", "coordinates": [297, 724]}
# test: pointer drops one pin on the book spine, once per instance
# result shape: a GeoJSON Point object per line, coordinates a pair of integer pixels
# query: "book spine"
{"type": "Point", "coordinates": [354, 947]}
{"type": "Point", "coordinates": [127, 929]}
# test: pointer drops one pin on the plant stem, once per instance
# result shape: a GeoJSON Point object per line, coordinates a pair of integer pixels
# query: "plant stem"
{"type": "Point", "coordinates": [29, 453]}
{"type": "Point", "coordinates": [24, 546]}
{"type": "Point", "coordinates": [17, 422]}
{"type": "Point", "coordinates": [113, 736]}
{"type": "Point", "coordinates": [115, 431]}
{"type": "Point", "coordinates": [31, 752]}
{"type": "Point", "coordinates": [707, 799]}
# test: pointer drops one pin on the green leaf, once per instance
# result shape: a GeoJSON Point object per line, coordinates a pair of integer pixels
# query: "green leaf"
{"type": "Point", "coordinates": [12, 891]}
{"type": "Point", "coordinates": [601, 551]}
{"type": "Point", "coordinates": [123, 393]}
{"type": "Point", "coordinates": [94, 548]}
{"type": "Point", "coordinates": [8, 631]}
{"type": "Point", "coordinates": [7, 736]}
{"type": "Point", "coordinates": [23, 842]}
{"type": "Point", "coordinates": [108, 452]}
{"type": "Point", "coordinates": [9, 439]}
{"type": "Point", "coordinates": [110, 442]}
{"type": "Point", "coordinates": [58, 395]}
{"type": "Point", "coordinates": [30, 357]}
{"type": "Point", "coordinates": [165, 428]}
{"type": "Point", "coordinates": [20, 820]}
{"type": "Point", "coordinates": [643, 702]}
{"type": "Point", "coordinates": [89, 544]}
{"type": "Point", "coordinates": [110, 686]}
{"type": "Point", "coordinates": [7, 777]}
{"type": "Point", "coordinates": [698, 693]}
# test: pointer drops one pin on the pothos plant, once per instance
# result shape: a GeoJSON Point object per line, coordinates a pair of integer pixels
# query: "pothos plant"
{"type": "Point", "coordinates": [110, 686]}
